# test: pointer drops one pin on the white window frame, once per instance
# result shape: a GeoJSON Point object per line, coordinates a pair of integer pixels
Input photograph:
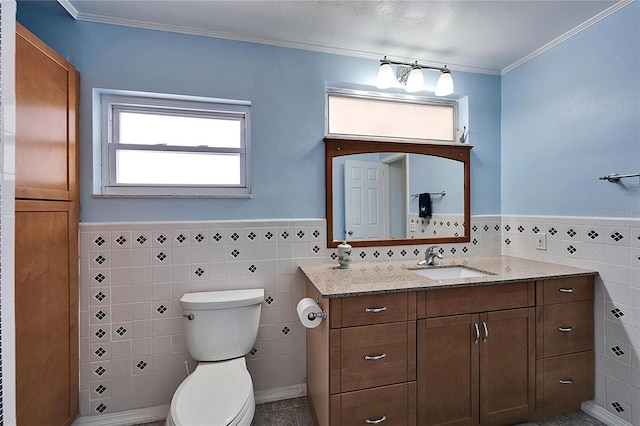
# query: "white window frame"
{"type": "Point", "coordinates": [110, 103]}
{"type": "Point", "coordinates": [375, 99]}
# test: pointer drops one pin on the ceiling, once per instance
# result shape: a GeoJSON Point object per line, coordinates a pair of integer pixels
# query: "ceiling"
{"type": "Point", "coordinates": [489, 36]}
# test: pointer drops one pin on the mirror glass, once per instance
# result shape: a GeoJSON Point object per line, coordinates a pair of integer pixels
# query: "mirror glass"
{"type": "Point", "coordinates": [385, 193]}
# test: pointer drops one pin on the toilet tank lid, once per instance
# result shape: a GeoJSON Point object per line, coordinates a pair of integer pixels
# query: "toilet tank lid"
{"type": "Point", "coordinates": [222, 299]}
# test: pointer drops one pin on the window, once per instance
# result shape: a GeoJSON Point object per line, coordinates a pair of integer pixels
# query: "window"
{"type": "Point", "coordinates": [398, 117]}
{"type": "Point", "coordinates": [170, 146]}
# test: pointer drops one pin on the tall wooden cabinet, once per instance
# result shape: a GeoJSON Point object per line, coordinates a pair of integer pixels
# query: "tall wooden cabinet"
{"type": "Point", "coordinates": [46, 227]}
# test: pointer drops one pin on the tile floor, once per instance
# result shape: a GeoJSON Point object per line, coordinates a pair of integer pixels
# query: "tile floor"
{"type": "Point", "coordinates": [295, 412]}
{"type": "Point", "coordinates": [290, 412]}
{"type": "Point", "coordinates": [577, 418]}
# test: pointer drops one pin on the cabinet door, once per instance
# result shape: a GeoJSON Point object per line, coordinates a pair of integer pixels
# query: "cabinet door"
{"type": "Point", "coordinates": [448, 371]}
{"type": "Point", "coordinates": [46, 279]}
{"type": "Point", "coordinates": [507, 366]}
{"type": "Point", "coordinates": [46, 121]}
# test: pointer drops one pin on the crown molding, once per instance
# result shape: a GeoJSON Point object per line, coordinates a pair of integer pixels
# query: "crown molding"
{"type": "Point", "coordinates": [335, 50]}
{"type": "Point", "coordinates": [617, 6]}
{"type": "Point", "coordinates": [69, 8]}
{"type": "Point", "coordinates": [101, 19]}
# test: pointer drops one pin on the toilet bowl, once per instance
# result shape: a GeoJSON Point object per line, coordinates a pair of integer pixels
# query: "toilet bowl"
{"type": "Point", "coordinates": [220, 329]}
{"type": "Point", "coordinates": [216, 393]}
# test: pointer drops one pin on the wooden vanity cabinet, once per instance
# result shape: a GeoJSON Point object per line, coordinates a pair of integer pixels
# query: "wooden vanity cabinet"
{"type": "Point", "coordinates": [489, 355]}
{"type": "Point", "coordinates": [476, 367]}
{"type": "Point", "coordinates": [361, 362]}
{"type": "Point", "coordinates": [564, 344]}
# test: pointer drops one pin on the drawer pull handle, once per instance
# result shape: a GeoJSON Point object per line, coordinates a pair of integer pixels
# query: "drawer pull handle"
{"type": "Point", "coordinates": [375, 310]}
{"type": "Point", "coordinates": [486, 332]}
{"type": "Point", "coordinates": [477, 339]}
{"type": "Point", "coordinates": [566, 290]}
{"type": "Point", "coordinates": [374, 357]}
{"type": "Point", "coordinates": [566, 382]}
{"type": "Point", "coordinates": [376, 421]}
{"type": "Point", "coordinates": [565, 329]}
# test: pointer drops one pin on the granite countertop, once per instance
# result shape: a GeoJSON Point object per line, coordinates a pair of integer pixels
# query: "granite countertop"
{"type": "Point", "coordinates": [396, 276]}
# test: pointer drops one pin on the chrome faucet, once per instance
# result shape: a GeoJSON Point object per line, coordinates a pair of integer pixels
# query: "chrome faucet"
{"type": "Point", "coordinates": [431, 257]}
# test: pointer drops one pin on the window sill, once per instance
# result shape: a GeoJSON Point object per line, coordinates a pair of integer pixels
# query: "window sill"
{"type": "Point", "coordinates": [173, 196]}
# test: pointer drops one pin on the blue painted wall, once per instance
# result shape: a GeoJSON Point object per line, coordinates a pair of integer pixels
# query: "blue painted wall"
{"type": "Point", "coordinates": [434, 174]}
{"type": "Point", "coordinates": [570, 116]}
{"type": "Point", "coordinates": [287, 91]}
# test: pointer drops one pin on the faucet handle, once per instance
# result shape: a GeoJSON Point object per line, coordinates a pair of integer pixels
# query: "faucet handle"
{"type": "Point", "coordinates": [432, 249]}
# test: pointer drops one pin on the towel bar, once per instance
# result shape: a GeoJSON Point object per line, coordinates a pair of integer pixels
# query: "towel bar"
{"type": "Point", "coordinates": [431, 193]}
{"type": "Point", "coordinates": [614, 177]}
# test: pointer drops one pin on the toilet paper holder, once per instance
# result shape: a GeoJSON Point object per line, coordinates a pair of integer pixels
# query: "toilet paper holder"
{"type": "Point", "coordinates": [314, 315]}
{"type": "Point", "coordinates": [309, 310]}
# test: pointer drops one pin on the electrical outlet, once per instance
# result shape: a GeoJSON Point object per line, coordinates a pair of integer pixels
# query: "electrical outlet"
{"type": "Point", "coordinates": [541, 241]}
{"type": "Point", "coordinates": [412, 227]}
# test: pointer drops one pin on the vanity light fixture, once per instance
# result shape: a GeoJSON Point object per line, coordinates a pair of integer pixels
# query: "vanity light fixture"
{"type": "Point", "coordinates": [410, 75]}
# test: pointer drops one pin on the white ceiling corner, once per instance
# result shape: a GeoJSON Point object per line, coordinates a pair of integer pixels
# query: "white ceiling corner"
{"type": "Point", "coordinates": [482, 36]}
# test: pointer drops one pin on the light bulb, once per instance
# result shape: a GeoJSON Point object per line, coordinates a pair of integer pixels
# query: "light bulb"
{"type": "Point", "coordinates": [386, 78]}
{"type": "Point", "coordinates": [444, 86]}
{"type": "Point", "coordinates": [415, 81]}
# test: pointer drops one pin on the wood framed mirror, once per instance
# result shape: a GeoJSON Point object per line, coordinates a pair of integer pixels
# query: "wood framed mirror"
{"type": "Point", "coordinates": [373, 192]}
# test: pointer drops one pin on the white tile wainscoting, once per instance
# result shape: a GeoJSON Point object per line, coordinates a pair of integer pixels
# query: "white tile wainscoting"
{"type": "Point", "coordinates": [132, 349]}
{"type": "Point", "coordinates": [610, 246]}
{"type": "Point", "coordinates": [438, 225]}
{"type": "Point", "coordinates": [133, 274]}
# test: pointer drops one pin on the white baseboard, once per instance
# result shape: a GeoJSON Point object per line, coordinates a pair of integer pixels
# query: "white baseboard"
{"type": "Point", "coordinates": [124, 418]}
{"type": "Point", "coordinates": [153, 414]}
{"type": "Point", "coordinates": [278, 394]}
{"type": "Point", "coordinates": [602, 414]}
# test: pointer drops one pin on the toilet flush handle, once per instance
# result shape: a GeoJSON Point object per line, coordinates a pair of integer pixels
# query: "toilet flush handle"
{"type": "Point", "coordinates": [190, 317]}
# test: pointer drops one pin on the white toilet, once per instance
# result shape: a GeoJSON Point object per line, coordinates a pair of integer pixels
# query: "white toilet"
{"type": "Point", "coordinates": [220, 327]}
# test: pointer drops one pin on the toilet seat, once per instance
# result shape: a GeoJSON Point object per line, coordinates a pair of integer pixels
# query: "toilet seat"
{"type": "Point", "coordinates": [215, 394]}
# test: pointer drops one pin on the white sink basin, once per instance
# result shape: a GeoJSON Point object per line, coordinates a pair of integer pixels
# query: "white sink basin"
{"type": "Point", "coordinates": [449, 272]}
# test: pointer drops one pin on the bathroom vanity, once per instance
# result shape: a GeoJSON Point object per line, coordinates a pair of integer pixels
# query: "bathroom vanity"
{"type": "Point", "coordinates": [513, 343]}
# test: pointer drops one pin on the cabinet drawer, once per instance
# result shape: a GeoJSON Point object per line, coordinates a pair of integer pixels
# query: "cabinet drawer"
{"type": "Point", "coordinates": [375, 355]}
{"type": "Point", "coordinates": [466, 300]}
{"type": "Point", "coordinates": [389, 405]}
{"type": "Point", "coordinates": [373, 309]}
{"type": "Point", "coordinates": [565, 290]}
{"type": "Point", "coordinates": [564, 381]}
{"type": "Point", "coordinates": [564, 328]}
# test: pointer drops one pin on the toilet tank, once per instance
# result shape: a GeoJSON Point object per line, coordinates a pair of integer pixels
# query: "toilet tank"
{"type": "Point", "coordinates": [221, 325]}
